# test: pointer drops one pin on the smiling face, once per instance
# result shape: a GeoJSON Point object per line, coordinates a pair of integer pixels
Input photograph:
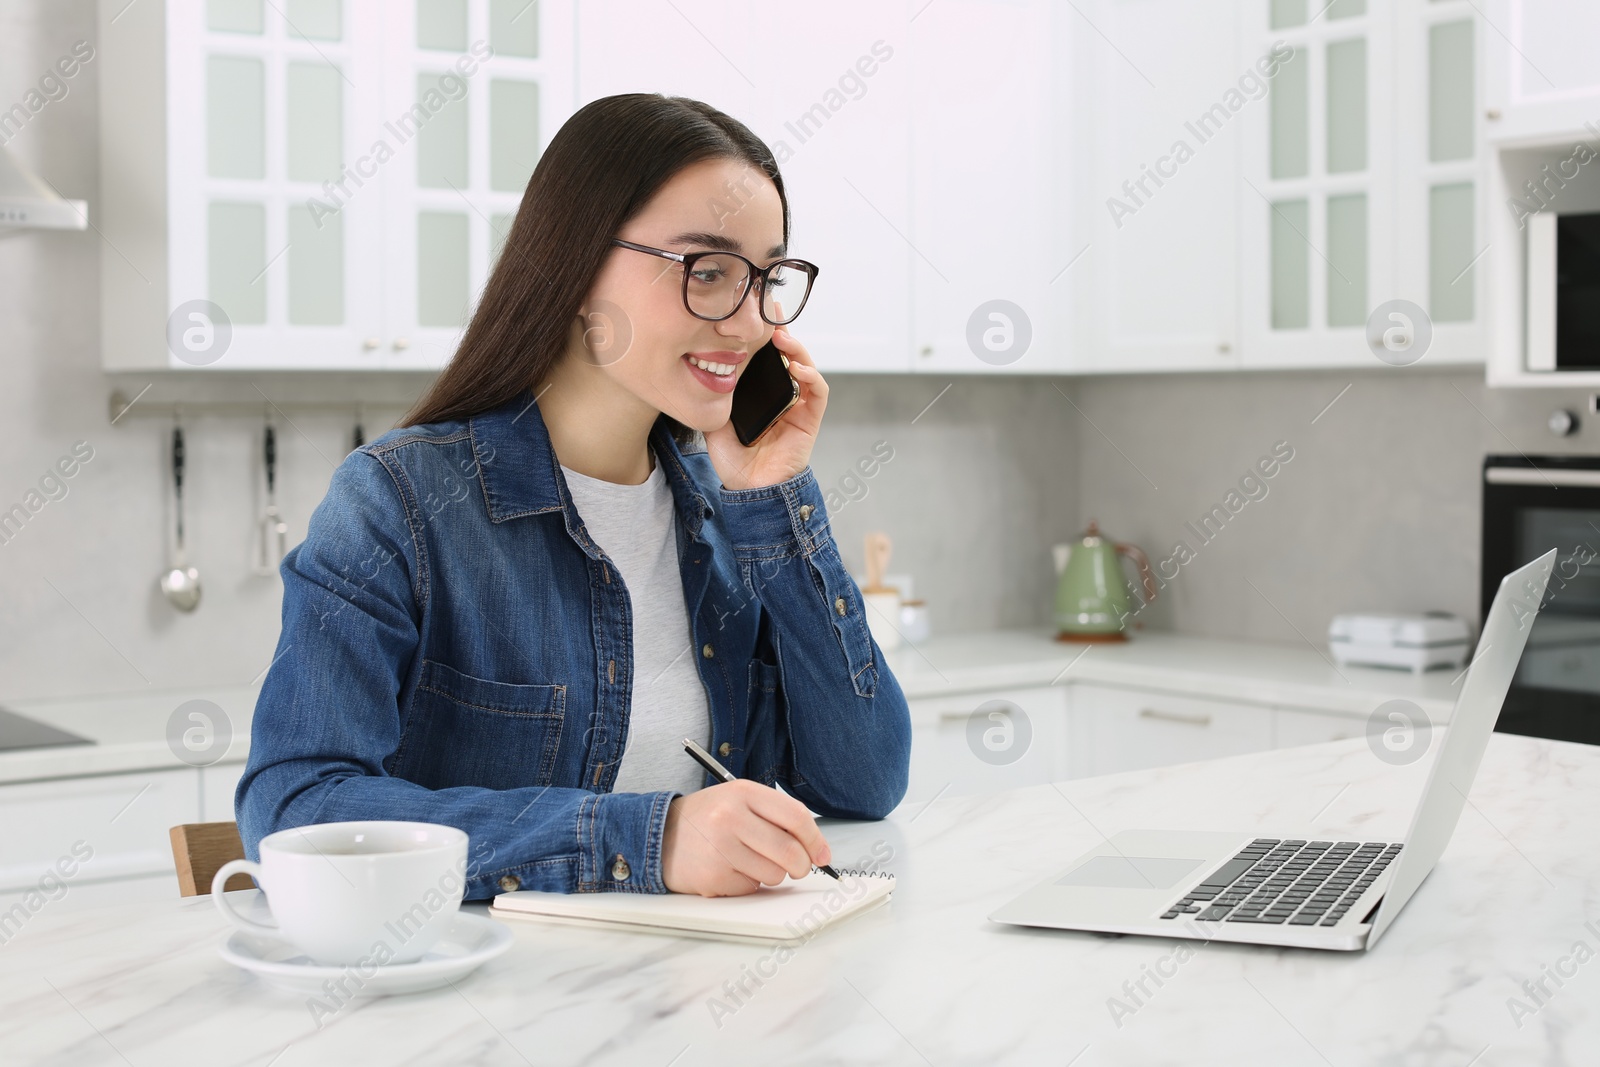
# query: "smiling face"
{"type": "Point", "coordinates": [634, 327]}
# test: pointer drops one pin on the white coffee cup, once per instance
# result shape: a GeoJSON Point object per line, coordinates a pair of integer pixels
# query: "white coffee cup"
{"type": "Point", "coordinates": [355, 892]}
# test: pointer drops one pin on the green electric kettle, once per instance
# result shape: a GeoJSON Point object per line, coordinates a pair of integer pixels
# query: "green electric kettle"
{"type": "Point", "coordinates": [1092, 600]}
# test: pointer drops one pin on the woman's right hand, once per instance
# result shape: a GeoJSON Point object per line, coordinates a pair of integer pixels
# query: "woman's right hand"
{"type": "Point", "coordinates": [732, 838]}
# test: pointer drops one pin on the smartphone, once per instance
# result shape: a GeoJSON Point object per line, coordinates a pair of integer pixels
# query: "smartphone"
{"type": "Point", "coordinates": [765, 391]}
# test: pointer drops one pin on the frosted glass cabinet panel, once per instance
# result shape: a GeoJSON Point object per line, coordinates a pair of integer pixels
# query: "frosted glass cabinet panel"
{"type": "Point", "coordinates": [513, 133]}
{"type": "Point", "coordinates": [1441, 175]}
{"type": "Point", "coordinates": [1347, 106]}
{"type": "Point", "coordinates": [1284, 13]}
{"type": "Point", "coordinates": [514, 27]}
{"type": "Point", "coordinates": [1347, 259]}
{"type": "Point", "coordinates": [1365, 168]}
{"type": "Point", "coordinates": [263, 116]}
{"type": "Point", "coordinates": [1291, 127]}
{"type": "Point", "coordinates": [234, 16]}
{"type": "Point", "coordinates": [315, 20]}
{"type": "Point", "coordinates": [1450, 252]}
{"type": "Point", "coordinates": [316, 268]}
{"type": "Point", "coordinates": [1315, 256]}
{"type": "Point", "coordinates": [236, 255]}
{"type": "Point", "coordinates": [1291, 265]}
{"type": "Point", "coordinates": [485, 85]}
{"type": "Point", "coordinates": [314, 118]}
{"type": "Point", "coordinates": [236, 111]}
{"type": "Point", "coordinates": [1451, 115]}
{"type": "Point", "coordinates": [332, 170]}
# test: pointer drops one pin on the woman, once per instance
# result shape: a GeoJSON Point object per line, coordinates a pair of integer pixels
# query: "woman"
{"type": "Point", "coordinates": [509, 611]}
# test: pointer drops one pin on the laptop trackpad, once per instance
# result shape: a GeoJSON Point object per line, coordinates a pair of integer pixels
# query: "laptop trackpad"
{"type": "Point", "coordinates": [1130, 872]}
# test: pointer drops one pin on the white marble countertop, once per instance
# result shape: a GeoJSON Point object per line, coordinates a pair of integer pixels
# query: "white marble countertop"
{"type": "Point", "coordinates": [130, 730]}
{"type": "Point", "coordinates": [926, 979]}
{"type": "Point", "coordinates": [1281, 675]}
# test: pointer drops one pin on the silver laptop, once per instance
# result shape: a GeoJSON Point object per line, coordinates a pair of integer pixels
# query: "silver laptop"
{"type": "Point", "coordinates": [1269, 889]}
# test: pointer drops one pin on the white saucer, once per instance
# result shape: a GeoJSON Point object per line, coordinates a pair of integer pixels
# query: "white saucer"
{"type": "Point", "coordinates": [469, 942]}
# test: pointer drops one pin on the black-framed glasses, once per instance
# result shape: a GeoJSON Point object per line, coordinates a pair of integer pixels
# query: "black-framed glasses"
{"type": "Point", "coordinates": [716, 283]}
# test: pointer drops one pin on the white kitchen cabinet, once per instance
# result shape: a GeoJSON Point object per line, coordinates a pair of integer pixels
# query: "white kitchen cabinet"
{"type": "Point", "coordinates": [1440, 244]}
{"type": "Point", "coordinates": [19, 906]}
{"type": "Point", "coordinates": [989, 191]}
{"type": "Point", "coordinates": [1115, 729]}
{"type": "Point", "coordinates": [451, 193]}
{"type": "Point", "coordinates": [920, 160]}
{"type": "Point", "coordinates": [833, 107]}
{"type": "Point", "coordinates": [1542, 73]}
{"type": "Point", "coordinates": [1540, 109]}
{"type": "Point", "coordinates": [119, 823]}
{"type": "Point", "coordinates": [104, 837]}
{"type": "Point", "coordinates": [1113, 180]}
{"type": "Point", "coordinates": [1158, 275]}
{"type": "Point", "coordinates": [1296, 726]}
{"type": "Point", "coordinates": [315, 185]}
{"type": "Point", "coordinates": [983, 742]}
{"type": "Point", "coordinates": [1318, 205]}
{"type": "Point", "coordinates": [217, 784]}
{"type": "Point", "coordinates": [1362, 183]}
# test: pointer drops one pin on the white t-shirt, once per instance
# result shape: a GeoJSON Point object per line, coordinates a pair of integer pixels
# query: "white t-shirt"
{"type": "Point", "coordinates": [634, 526]}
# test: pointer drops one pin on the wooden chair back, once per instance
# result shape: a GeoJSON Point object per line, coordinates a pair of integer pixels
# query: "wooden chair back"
{"type": "Point", "coordinates": [199, 849]}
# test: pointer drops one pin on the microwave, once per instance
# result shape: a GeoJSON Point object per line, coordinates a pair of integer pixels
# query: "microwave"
{"type": "Point", "coordinates": [1563, 320]}
{"type": "Point", "coordinates": [1532, 504]}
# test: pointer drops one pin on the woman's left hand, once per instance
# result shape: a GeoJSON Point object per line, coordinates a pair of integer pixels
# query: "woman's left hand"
{"type": "Point", "coordinates": [785, 450]}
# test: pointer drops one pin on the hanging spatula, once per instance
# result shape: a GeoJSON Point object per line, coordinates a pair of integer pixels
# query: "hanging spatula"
{"type": "Point", "coordinates": [273, 541]}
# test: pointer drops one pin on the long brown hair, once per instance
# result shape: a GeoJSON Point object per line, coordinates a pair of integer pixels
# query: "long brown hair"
{"type": "Point", "coordinates": [601, 169]}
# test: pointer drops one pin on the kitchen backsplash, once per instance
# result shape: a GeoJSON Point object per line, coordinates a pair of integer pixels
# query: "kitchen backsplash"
{"type": "Point", "coordinates": [1378, 509]}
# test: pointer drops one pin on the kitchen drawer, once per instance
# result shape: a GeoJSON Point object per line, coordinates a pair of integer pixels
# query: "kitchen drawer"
{"type": "Point", "coordinates": [217, 783]}
{"type": "Point", "coordinates": [76, 894]}
{"type": "Point", "coordinates": [945, 756]}
{"type": "Point", "coordinates": [1115, 729]}
{"type": "Point", "coordinates": [1295, 727]}
{"type": "Point", "coordinates": [122, 820]}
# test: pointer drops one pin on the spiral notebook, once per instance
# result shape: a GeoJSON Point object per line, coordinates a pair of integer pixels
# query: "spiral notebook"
{"type": "Point", "coordinates": [790, 912]}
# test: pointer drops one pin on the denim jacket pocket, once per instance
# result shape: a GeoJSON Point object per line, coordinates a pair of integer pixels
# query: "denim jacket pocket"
{"type": "Point", "coordinates": [766, 734]}
{"type": "Point", "coordinates": [472, 731]}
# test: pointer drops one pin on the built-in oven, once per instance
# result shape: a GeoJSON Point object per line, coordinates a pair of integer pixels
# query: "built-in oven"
{"type": "Point", "coordinates": [1532, 504]}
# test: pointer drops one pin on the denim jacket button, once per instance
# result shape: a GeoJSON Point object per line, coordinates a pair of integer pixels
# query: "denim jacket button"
{"type": "Point", "coordinates": [838, 605]}
{"type": "Point", "coordinates": [805, 512]}
{"type": "Point", "coordinates": [724, 748]}
{"type": "Point", "coordinates": [620, 869]}
{"type": "Point", "coordinates": [510, 883]}
{"type": "Point", "coordinates": [707, 651]}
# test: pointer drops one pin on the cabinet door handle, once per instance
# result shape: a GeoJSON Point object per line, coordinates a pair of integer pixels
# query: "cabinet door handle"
{"type": "Point", "coordinates": [1172, 716]}
{"type": "Point", "coordinates": [950, 714]}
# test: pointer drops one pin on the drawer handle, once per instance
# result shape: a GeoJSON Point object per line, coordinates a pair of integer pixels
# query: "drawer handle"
{"type": "Point", "coordinates": [1172, 716]}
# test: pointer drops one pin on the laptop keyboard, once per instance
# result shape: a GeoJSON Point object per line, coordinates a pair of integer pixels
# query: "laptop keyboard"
{"type": "Point", "coordinates": [1295, 883]}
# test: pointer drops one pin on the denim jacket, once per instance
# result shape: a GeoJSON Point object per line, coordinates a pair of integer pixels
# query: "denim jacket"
{"type": "Point", "coordinates": [456, 649]}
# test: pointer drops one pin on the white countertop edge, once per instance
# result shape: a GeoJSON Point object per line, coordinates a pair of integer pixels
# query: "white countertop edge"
{"type": "Point", "coordinates": [1271, 675]}
{"type": "Point", "coordinates": [130, 729]}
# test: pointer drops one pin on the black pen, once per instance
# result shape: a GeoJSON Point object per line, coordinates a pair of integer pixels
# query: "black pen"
{"type": "Point", "coordinates": [706, 760]}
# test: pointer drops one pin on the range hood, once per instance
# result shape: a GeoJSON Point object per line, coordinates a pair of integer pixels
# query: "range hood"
{"type": "Point", "coordinates": [27, 201]}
